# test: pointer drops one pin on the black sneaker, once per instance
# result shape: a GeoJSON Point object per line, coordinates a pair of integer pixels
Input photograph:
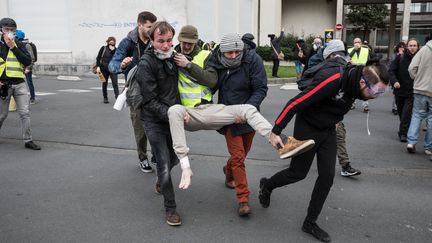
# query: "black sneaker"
{"type": "Point", "coordinates": [264, 194]}
{"type": "Point", "coordinates": [347, 171]}
{"type": "Point", "coordinates": [105, 101]}
{"type": "Point", "coordinates": [153, 160]}
{"type": "Point", "coordinates": [32, 145]}
{"type": "Point", "coordinates": [403, 138]}
{"type": "Point", "coordinates": [145, 166]}
{"type": "Point", "coordinates": [313, 229]}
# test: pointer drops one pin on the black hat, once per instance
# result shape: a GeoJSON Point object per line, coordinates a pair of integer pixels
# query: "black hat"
{"type": "Point", "coordinates": [8, 22]}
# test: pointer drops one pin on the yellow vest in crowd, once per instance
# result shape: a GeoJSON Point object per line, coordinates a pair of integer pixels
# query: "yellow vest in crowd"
{"type": "Point", "coordinates": [360, 59]}
{"type": "Point", "coordinates": [191, 93]}
{"type": "Point", "coordinates": [14, 69]}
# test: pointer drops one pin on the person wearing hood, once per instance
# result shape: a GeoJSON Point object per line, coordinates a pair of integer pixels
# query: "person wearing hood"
{"type": "Point", "coordinates": [402, 85]}
{"type": "Point", "coordinates": [420, 69]}
{"type": "Point", "coordinates": [28, 71]}
{"type": "Point", "coordinates": [248, 41]}
{"type": "Point", "coordinates": [13, 58]}
{"type": "Point", "coordinates": [318, 108]}
{"type": "Point", "coordinates": [125, 58]}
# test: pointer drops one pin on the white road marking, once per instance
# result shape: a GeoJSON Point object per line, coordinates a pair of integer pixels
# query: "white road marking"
{"type": "Point", "coordinates": [75, 90]}
{"type": "Point", "coordinates": [289, 86]}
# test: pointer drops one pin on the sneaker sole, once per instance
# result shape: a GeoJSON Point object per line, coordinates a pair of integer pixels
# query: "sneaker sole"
{"type": "Point", "coordinates": [303, 148]}
{"type": "Point", "coordinates": [145, 170]}
{"type": "Point", "coordinates": [173, 224]}
{"type": "Point", "coordinates": [347, 174]}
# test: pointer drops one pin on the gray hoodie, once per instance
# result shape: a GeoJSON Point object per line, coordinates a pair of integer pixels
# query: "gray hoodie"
{"type": "Point", "coordinates": [420, 70]}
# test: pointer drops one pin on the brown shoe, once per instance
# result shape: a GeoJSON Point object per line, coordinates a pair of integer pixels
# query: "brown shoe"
{"type": "Point", "coordinates": [294, 147]}
{"type": "Point", "coordinates": [172, 217]}
{"type": "Point", "coordinates": [229, 181]}
{"type": "Point", "coordinates": [244, 209]}
{"type": "Point", "coordinates": [158, 187]}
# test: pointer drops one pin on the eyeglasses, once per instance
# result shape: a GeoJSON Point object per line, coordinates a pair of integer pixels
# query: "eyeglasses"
{"type": "Point", "coordinates": [374, 90]}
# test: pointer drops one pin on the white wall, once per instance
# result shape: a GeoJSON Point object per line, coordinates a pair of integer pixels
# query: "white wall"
{"type": "Point", "coordinates": [270, 17]}
{"type": "Point", "coordinates": [72, 31]}
{"type": "Point", "coordinates": [308, 16]}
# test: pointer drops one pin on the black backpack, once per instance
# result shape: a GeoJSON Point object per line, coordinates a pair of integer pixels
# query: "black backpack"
{"type": "Point", "coordinates": [33, 46]}
{"type": "Point", "coordinates": [308, 76]}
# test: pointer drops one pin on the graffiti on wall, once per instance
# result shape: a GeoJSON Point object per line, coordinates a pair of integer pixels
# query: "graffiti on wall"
{"type": "Point", "coordinates": [108, 25]}
{"type": "Point", "coordinates": [117, 25]}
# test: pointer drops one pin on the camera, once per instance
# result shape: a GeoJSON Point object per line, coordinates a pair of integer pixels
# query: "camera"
{"type": "Point", "coordinates": [271, 36]}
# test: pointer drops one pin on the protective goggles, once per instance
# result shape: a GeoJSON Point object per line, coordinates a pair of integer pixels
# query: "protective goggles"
{"type": "Point", "coordinates": [374, 90]}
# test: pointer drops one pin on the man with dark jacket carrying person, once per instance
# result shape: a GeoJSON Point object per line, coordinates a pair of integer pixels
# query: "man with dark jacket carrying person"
{"type": "Point", "coordinates": [318, 109]}
{"type": "Point", "coordinates": [125, 58]}
{"type": "Point", "coordinates": [158, 79]}
{"type": "Point", "coordinates": [13, 58]}
{"type": "Point", "coordinates": [238, 70]}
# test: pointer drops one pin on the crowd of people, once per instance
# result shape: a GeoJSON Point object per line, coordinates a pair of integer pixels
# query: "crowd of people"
{"type": "Point", "coordinates": [173, 90]}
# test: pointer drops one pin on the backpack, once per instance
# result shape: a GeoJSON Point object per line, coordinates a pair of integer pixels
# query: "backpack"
{"type": "Point", "coordinates": [33, 46]}
{"type": "Point", "coordinates": [133, 94]}
{"type": "Point", "coordinates": [308, 77]}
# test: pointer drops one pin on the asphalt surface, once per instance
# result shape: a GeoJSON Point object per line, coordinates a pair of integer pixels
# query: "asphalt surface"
{"type": "Point", "coordinates": [85, 184]}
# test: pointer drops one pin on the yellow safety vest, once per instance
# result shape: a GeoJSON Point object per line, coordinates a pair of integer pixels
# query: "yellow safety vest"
{"type": "Point", "coordinates": [191, 92]}
{"type": "Point", "coordinates": [2, 66]}
{"type": "Point", "coordinates": [360, 59]}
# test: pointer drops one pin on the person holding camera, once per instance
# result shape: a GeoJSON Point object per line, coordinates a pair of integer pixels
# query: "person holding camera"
{"type": "Point", "coordinates": [103, 58]}
{"type": "Point", "coordinates": [13, 58]}
{"type": "Point", "coordinates": [276, 53]}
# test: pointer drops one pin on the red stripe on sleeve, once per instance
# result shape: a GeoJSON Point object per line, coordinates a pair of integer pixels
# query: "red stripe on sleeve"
{"type": "Point", "coordinates": [307, 95]}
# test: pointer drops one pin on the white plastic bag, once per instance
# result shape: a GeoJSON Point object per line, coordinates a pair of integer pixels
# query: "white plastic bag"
{"type": "Point", "coordinates": [120, 101]}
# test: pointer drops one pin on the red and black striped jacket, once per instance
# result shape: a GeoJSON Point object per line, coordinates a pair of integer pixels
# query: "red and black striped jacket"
{"type": "Point", "coordinates": [322, 104]}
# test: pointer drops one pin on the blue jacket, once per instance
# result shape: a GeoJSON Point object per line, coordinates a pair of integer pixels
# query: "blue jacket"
{"type": "Point", "coordinates": [246, 84]}
{"type": "Point", "coordinates": [128, 47]}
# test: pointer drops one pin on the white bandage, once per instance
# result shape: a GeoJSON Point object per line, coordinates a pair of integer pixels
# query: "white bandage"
{"type": "Point", "coordinates": [184, 163]}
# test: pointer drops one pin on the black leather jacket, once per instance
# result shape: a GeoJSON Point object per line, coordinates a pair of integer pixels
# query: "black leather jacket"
{"type": "Point", "coordinates": [159, 86]}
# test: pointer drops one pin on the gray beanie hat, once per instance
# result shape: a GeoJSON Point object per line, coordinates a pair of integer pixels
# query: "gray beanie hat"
{"type": "Point", "coordinates": [333, 46]}
{"type": "Point", "coordinates": [231, 42]}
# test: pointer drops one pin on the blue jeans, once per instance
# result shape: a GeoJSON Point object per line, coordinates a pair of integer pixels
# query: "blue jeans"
{"type": "Point", "coordinates": [29, 79]}
{"type": "Point", "coordinates": [159, 136]}
{"type": "Point", "coordinates": [422, 108]}
{"type": "Point", "coordinates": [19, 92]}
{"type": "Point", "coordinates": [298, 66]}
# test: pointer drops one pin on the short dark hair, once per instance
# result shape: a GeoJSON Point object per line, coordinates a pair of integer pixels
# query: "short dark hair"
{"type": "Point", "coordinates": [162, 26]}
{"type": "Point", "coordinates": [376, 73]}
{"type": "Point", "coordinates": [146, 16]}
{"type": "Point", "coordinates": [111, 38]}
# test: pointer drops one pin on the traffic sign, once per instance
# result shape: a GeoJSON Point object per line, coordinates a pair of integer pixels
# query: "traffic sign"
{"type": "Point", "coordinates": [339, 26]}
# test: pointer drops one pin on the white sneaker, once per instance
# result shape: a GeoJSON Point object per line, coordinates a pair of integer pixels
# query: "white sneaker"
{"type": "Point", "coordinates": [411, 148]}
{"type": "Point", "coordinates": [428, 152]}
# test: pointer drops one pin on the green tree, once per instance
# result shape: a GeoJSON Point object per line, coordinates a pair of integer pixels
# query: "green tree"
{"type": "Point", "coordinates": [367, 17]}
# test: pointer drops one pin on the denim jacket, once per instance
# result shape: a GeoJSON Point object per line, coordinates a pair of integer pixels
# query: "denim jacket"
{"type": "Point", "coordinates": [128, 47]}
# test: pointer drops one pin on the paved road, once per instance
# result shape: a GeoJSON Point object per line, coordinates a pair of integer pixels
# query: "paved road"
{"type": "Point", "coordinates": [85, 185]}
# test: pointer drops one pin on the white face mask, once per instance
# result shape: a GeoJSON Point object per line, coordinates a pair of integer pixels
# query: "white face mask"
{"type": "Point", "coordinates": [163, 55]}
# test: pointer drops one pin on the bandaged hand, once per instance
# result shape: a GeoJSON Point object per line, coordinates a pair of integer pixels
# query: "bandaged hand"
{"type": "Point", "coordinates": [185, 180]}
